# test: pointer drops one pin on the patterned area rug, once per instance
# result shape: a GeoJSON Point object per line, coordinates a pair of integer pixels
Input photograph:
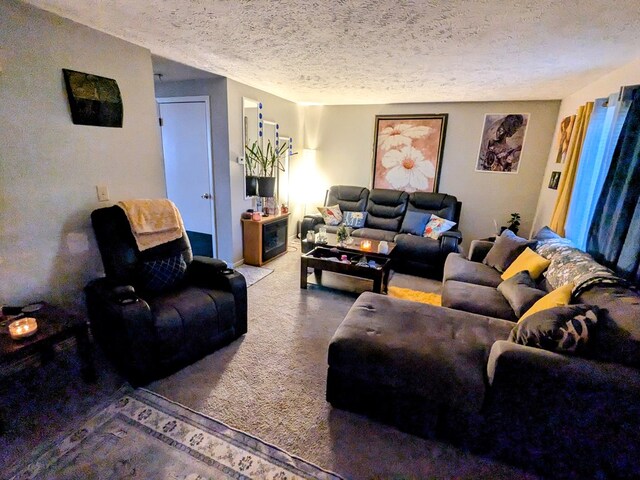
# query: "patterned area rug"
{"type": "Point", "coordinates": [415, 295]}
{"type": "Point", "coordinates": [253, 274]}
{"type": "Point", "coordinates": [144, 435]}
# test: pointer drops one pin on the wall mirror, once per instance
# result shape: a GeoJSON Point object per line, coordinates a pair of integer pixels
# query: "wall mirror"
{"type": "Point", "coordinates": [250, 133]}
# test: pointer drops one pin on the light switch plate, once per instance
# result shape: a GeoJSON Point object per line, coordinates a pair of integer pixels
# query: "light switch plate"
{"type": "Point", "coordinates": [103, 193]}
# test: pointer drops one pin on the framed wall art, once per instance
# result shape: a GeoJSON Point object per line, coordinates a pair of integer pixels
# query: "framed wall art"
{"type": "Point", "coordinates": [93, 100]}
{"type": "Point", "coordinates": [554, 180]}
{"type": "Point", "coordinates": [566, 127]}
{"type": "Point", "coordinates": [407, 151]}
{"type": "Point", "coordinates": [502, 142]}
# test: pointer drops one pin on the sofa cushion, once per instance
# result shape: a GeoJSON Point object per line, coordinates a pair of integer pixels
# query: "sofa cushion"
{"type": "Point", "coordinates": [557, 298]}
{"type": "Point", "coordinates": [560, 329]}
{"type": "Point", "coordinates": [414, 222]}
{"type": "Point", "coordinates": [521, 292]}
{"type": "Point", "coordinates": [349, 198]}
{"type": "Point", "coordinates": [528, 261]}
{"type": "Point", "coordinates": [417, 349]}
{"type": "Point", "coordinates": [159, 275]}
{"type": "Point", "coordinates": [479, 299]}
{"type": "Point", "coordinates": [386, 209]}
{"type": "Point", "coordinates": [354, 219]}
{"type": "Point", "coordinates": [617, 338]}
{"type": "Point", "coordinates": [331, 214]}
{"type": "Point", "coordinates": [457, 267]}
{"type": "Point", "coordinates": [437, 226]}
{"type": "Point", "coordinates": [506, 249]}
{"type": "Point", "coordinates": [374, 234]}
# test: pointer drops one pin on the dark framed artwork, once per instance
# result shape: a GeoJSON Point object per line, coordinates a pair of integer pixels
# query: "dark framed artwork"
{"type": "Point", "coordinates": [407, 151]}
{"type": "Point", "coordinates": [554, 181]}
{"type": "Point", "coordinates": [502, 141]}
{"type": "Point", "coordinates": [93, 100]}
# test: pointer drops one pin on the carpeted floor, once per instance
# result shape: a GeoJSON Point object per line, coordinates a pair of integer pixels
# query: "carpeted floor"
{"type": "Point", "coordinates": [270, 383]}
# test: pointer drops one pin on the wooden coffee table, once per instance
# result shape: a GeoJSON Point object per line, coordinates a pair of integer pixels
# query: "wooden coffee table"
{"type": "Point", "coordinates": [328, 259]}
{"type": "Point", "coordinates": [54, 326]}
{"type": "Point", "coordinates": [356, 242]}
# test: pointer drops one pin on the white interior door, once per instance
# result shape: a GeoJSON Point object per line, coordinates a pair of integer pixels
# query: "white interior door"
{"type": "Point", "coordinates": [187, 162]}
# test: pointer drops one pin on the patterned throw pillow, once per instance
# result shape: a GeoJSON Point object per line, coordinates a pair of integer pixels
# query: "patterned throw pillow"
{"type": "Point", "coordinates": [560, 329]}
{"type": "Point", "coordinates": [437, 226]}
{"type": "Point", "coordinates": [354, 219]}
{"type": "Point", "coordinates": [331, 215]}
{"type": "Point", "coordinates": [162, 274]}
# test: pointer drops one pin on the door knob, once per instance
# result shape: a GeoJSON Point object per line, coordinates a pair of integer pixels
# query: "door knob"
{"type": "Point", "coordinates": [206, 196]}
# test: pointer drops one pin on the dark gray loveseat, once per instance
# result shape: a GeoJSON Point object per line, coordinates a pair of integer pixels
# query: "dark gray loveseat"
{"type": "Point", "coordinates": [386, 210]}
{"type": "Point", "coordinates": [449, 373]}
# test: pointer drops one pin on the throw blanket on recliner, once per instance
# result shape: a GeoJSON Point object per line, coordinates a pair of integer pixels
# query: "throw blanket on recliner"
{"type": "Point", "coordinates": [153, 222]}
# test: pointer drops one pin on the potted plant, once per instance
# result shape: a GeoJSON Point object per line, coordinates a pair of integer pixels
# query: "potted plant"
{"type": "Point", "coordinates": [267, 161]}
{"type": "Point", "coordinates": [513, 223]}
{"type": "Point", "coordinates": [251, 164]}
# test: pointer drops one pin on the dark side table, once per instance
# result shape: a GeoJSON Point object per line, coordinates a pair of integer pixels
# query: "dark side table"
{"type": "Point", "coordinates": [54, 326]}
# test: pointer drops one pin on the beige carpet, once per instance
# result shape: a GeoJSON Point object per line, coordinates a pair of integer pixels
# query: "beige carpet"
{"type": "Point", "coordinates": [271, 383]}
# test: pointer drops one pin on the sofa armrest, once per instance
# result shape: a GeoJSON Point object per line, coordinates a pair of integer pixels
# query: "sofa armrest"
{"type": "Point", "coordinates": [449, 241]}
{"type": "Point", "coordinates": [213, 273]}
{"type": "Point", "coordinates": [544, 408]}
{"type": "Point", "coordinates": [479, 249]}
{"type": "Point", "coordinates": [123, 323]}
{"type": "Point", "coordinates": [526, 368]}
{"type": "Point", "coordinates": [309, 222]}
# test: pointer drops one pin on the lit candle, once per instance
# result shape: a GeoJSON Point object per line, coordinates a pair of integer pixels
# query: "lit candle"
{"type": "Point", "coordinates": [366, 245]}
{"type": "Point", "coordinates": [22, 328]}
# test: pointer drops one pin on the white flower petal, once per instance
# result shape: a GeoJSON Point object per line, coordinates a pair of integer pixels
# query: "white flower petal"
{"type": "Point", "coordinates": [392, 158]}
{"type": "Point", "coordinates": [398, 177]}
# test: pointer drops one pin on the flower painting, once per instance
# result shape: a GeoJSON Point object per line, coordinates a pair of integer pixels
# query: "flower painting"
{"type": "Point", "coordinates": [408, 152]}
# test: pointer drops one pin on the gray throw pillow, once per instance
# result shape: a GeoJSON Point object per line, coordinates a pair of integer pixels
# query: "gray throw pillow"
{"type": "Point", "coordinates": [414, 222]}
{"type": "Point", "coordinates": [561, 329]}
{"type": "Point", "coordinates": [521, 292]}
{"type": "Point", "coordinates": [506, 249]}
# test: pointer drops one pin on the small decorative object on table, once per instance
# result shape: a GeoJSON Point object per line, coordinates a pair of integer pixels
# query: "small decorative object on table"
{"type": "Point", "coordinates": [365, 245]}
{"type": "Point", "coordinates": [383, 247]}
{"type": "Point", "coordinates": [343, 234]}
{"type": "Point", "coordinates": [23, 328]}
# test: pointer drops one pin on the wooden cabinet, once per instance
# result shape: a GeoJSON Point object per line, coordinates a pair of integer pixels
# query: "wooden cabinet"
{"type": "Point", "coordinates": [264, 240]}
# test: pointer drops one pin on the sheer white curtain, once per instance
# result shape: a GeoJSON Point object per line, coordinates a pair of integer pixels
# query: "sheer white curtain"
{"type": "Point", "coordinates": [600, 141]}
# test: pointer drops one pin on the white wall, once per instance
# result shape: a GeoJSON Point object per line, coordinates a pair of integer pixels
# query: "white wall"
{"type": "Point", "coordinates": [216, 90]}
{"type": "Point", "coordinates": [49, 167]}
{"type": "Point", "coordinates": [603, 87]}
{"type": "Point", "coordinates": [285, 113]}
{"type": "Point", "coordinates": [343, 139]}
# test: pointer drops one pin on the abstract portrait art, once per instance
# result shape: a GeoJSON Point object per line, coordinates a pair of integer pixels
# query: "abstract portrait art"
{"type": "Point", "coordinates": [502, 141]}
{"type": "Point", "coordinates": [407, 151]}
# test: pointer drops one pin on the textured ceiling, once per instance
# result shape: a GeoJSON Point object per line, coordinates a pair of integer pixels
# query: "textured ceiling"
{"type": "Point", "coordinates": [366, 51]}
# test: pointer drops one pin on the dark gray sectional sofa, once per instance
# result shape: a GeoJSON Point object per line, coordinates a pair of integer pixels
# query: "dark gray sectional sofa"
{"type": "Point", "coordinates": [386, 210]}
{"type": "Point", "coordinates": [450, 372]}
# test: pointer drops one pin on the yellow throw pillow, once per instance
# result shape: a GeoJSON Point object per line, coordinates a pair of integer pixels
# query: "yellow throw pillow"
{"type": "Point", "coordinates": [559, 297]}
{"type": "Point", "coordinates": [528, 260]}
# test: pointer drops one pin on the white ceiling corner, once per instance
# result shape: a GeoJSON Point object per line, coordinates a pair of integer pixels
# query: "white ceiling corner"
{"type": "Point", "coordinates": [380, 51]}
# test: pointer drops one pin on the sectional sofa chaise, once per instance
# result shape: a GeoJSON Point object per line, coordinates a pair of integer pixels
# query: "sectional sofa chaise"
{"type": "Point", "coordinates": [455, 372]}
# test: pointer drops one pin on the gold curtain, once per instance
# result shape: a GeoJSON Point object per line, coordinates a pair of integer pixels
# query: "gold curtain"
{"type": "Point", "coordinates": [559, 216]}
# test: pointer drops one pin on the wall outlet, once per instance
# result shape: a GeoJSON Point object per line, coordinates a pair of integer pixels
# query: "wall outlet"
{"type": "Point", "coordinates": [103, 193]}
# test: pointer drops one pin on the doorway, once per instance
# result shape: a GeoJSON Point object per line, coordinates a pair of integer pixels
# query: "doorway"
{"type": "Point", "coordinates": [186, 145]}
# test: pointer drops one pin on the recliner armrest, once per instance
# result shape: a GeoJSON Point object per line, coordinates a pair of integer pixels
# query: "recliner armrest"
{"type": "Point", "coordinates": [215, 274]}
{"type": "Point", "coordinates": [479, 249]}
{"type": "Point", "coordinates": [449, 241]}
{"type": "Point", "coordinates": [309, 222]}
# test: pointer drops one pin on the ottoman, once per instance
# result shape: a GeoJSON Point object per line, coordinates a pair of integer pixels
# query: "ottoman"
{"type": "Point", "coordinates": [416, 366]}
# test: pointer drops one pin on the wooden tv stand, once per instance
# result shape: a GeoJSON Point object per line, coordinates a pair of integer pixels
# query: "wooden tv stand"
{"type": "Point", "coordinates": [264, 240]}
